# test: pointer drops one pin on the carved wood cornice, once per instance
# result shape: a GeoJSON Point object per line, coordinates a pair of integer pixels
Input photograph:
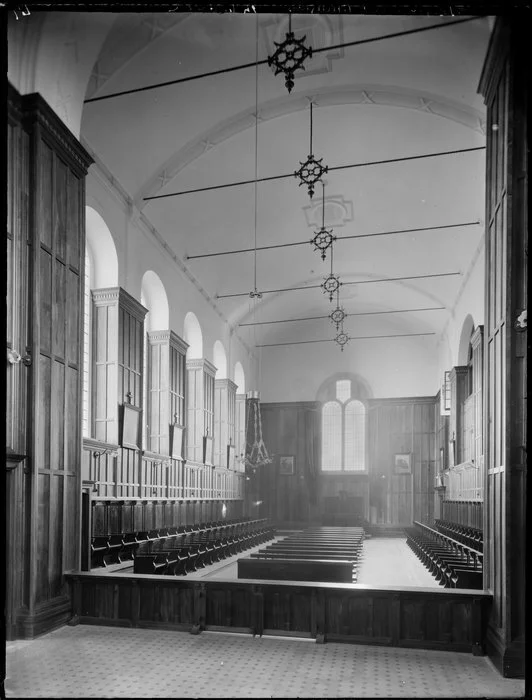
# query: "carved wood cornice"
{"type": "Point", "coordinates": [168, 336]}
{"type": "Point", "coordinates": [131, 305]}
{"type": "Point", "coordinates": [105, 296]}
{"type": "Point", "coordinates": [405, 400]}
{"type": "Point", "coordinates": [203, 364]}
{"type": "Point", "coordinates": [225, 384]}
{"type": "Point", "coordinates": [38, 113]}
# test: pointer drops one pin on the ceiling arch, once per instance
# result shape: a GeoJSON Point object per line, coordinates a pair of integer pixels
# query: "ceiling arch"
{"type": "Point", "coordinates": [323, 97]}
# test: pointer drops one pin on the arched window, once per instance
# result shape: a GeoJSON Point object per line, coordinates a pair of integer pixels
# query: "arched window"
{"type": "Point", "coordinates": [343, 431]}
{"type": "Point", "coordinates": [87, 337]}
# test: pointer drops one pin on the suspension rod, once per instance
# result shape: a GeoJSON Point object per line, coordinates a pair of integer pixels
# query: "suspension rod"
{"type": "Point", "coordinates": [358, 337]}
{"type": "Point", "coordinates": [242, 66]}
{"type": "Point", "coordinates": [358, 313]}
{"type": "Point", "coordinates": [318, 286]}
{"type": "Point", "coordinates": [338, 238]}
{"type": "Point", "coordinates": [336, 167]}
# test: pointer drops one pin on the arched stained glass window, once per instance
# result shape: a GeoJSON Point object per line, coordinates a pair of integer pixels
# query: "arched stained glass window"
{"type": "Point", "coordinates": [343, 431]}
{"type": "Point", "coordinates": [331, 436]}
{"type": "Point", "coordinates": [354, 436]}
{"type": "Point", "coordinates": [87, 320]}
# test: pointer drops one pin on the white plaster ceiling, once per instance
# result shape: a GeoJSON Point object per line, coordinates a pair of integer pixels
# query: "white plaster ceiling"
{"type": "Point", "coordinates": [389, 99]}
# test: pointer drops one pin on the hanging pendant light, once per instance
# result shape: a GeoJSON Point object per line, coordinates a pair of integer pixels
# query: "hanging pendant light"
{"type": "Point", "coordinates": [289, 56]}
{"type": "Point", "coordinates": [256, 452]}
{"type": "Point", "coordinates": [342, 339]}
{"type": "Point", "coordinates": [338, 315]}
{"type": "Point", "coordinates": [311, 171]}
{"type": "Point", "coordinates": [323, 238]}
{"type": "Point", "coordinates": [331, 284]}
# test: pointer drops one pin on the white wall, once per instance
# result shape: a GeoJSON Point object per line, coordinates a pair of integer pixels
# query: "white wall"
{"type": "Point", "coordinates": [140, 249]}
{"type": "Point", "coordinates": [408, 367]}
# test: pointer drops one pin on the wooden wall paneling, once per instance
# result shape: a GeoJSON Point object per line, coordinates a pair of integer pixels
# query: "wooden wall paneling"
{"type": "Point", "coordinates": [504, 86]}
{"type": "Point", "coordinates": [52, 200]}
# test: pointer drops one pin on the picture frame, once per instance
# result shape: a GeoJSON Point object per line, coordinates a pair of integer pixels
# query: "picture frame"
{"type": "Point", "coordinates": [208, 445]}
{"type": "Point", "coordinates": [130, 426]}
{"type": "Point", "coordinates": [177, 441]}
{"type": "Point", "coordinates": [230, 456]}
{"type": "Point", "coordinates": [286, 464]}
{"type": "Point", "coordinates": [402, 463]}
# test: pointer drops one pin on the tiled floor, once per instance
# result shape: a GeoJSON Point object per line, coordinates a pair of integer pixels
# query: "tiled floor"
{"type": "Point", "coordinates": [108, 662]}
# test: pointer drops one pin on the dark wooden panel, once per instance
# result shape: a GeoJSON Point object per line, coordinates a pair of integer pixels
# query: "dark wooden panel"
{"type": "Point", "coordinates": [45, 205]}
{"type": "Point", "coordinates": [42, 550]}
{"type": "Point", "coordinates": [440, 619]}
{"type": "Point", "coordinates": [45, 301]}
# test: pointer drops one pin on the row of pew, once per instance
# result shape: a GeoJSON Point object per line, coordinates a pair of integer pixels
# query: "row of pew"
{"type": "Point", "coordinates": [453, 563]}
{"type": "Point", "coordinates": [471, 536]}
{"type": "Point", "coordinates": [329, 554]}
{"type": "Point", "coordinates": [122, 547]}
{"type": "Point", "coordinates": [186, 552]}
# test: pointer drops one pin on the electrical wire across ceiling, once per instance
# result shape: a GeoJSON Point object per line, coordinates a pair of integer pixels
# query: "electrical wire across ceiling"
{"type": "Point", "coordinates": [243, 66]}
{"type": "Point", "coordinates": [339, 238]}
{"type": "Point", "coordinates": [358, 337]}
{"type": "Point", "coordinates": [358, 313]}
{"type": "Point", "coordinates": [330, 169]}
{"type": "Point", "coordinates": [319, 286]}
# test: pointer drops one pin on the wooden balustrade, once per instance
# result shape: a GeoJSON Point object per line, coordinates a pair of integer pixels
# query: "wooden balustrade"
{"type": "Point", "coordinates": [445, 619]}
{"type": "Point", "coordinates": [462, 512]}
{"type": "Point", "coordinates": [126, 473]}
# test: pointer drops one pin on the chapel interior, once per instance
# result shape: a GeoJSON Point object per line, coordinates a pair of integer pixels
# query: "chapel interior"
{"type": "Point", "coordinates": [266, 350]}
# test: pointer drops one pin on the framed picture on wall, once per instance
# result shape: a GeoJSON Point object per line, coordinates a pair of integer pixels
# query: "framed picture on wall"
{"type": "Point", "coordinates": [286, 464]}
{"type": "Point", "coordinates": [177, 434]}
{"type": "Point", "coordinates": [402, 463]}
{"type": "Point", "coordinates": [130, 426]}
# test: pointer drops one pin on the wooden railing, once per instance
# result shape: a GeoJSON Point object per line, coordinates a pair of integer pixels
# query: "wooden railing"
{"type": "Point", "coordinates": [119, 472]}
{"type": "Point", "coordinates": [322, 611]}
{"type": "Point", "coordinates": [462, 512]}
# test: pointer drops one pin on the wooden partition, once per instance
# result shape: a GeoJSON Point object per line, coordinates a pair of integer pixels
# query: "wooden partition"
{"type": "Point", "coordinates": [46, 257]}
{"type": "Point", "coordinates": [468, 513]}
{"type": "Point", "coordinates": [504, 85]}
{"type": "Point", "coordinates": [419, 618]}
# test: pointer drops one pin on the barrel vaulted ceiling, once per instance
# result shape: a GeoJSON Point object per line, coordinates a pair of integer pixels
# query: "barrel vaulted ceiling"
{"type": "Point", "coordinates": [377, 101]}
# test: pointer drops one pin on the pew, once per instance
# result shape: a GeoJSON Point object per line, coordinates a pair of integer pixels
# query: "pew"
{"type": "Point", "coordinates": [222, 537]}
{"type": "Point", "coordinates": [317, 554]}
{"type": "Point", "coordinates": [453, 563]}
{"type": "Point", "coordinates": [330, 570]}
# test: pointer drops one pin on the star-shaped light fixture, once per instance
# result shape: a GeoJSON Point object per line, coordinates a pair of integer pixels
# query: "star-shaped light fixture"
{"type": "Point", "coordinates": [331, 285]}
{"type": "Point", "coordinates": [323, 238]}
{"type": "Point", "coordinates": [342, 339]}
{"type": "Point", "coordinates": [337, 316]}
{"type": "Point", "coordinates": [289, 56]}
{"type": "Point", "coordinates": [311, 171]}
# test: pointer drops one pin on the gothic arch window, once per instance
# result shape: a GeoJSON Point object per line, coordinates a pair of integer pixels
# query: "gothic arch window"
{"type": "Point", "coordinates": [87, 340]}
{"type": "Point", "coordinates": [343, 430]}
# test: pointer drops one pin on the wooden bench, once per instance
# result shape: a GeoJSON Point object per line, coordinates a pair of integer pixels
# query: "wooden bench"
{"type": "Point", "coordinates": [330, 570]}
{"type": "Point", "coordinates": [453, 563]}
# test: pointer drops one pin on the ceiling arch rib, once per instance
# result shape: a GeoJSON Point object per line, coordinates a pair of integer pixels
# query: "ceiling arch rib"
{"type": "Point", "coordinates": [243, 312]}
{"type": "Point", "coordinates": [142, 31]}
{"type": "Point", "coordinates": [326, 97]}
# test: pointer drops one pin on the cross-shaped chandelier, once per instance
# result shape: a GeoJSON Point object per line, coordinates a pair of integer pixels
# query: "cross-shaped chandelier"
{"type": "Point", "coordinates": [311, 171]}
{"type": "Point", "coordinates": [338, 315]}
{"type": "Point", "coordinates": [323, 238]}
{"type": "Point", "coordinates": [289, 56]}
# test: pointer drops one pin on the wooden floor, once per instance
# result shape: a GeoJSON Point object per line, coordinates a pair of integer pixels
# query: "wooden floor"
{"type": "Point", "coordinates": [385, 561]}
